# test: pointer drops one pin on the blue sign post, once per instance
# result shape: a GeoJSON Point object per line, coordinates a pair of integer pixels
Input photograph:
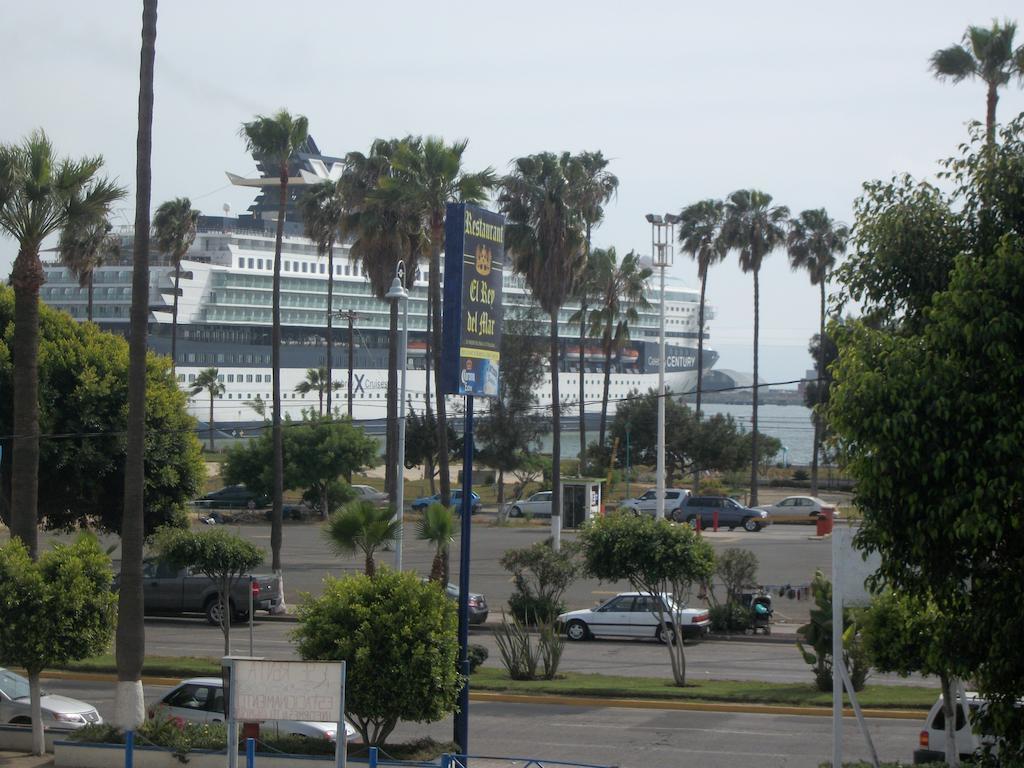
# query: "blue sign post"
{"type": "Point", "coordinates": [474, 263]}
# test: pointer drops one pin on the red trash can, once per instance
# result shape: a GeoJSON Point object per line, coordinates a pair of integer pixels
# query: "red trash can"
{"type": "Point", "coordinates": [825, 521]}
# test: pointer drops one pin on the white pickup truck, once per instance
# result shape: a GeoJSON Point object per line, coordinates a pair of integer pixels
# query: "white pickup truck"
{"type": "Point", "coordinates": [932, 740]}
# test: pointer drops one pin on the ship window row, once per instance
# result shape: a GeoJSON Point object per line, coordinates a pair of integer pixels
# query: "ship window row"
{"type": "Point", "coordinates": [341, 268]}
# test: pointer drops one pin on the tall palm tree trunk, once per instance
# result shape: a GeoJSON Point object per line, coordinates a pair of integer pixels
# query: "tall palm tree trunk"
{"type": "Point", "coordinates": [991, 99]}
{"type": "Point", "coordinates": [330, 322]}
{"type": "Point", "coordinates": [88, 311]}
{"type": "Point", "coordinates": [428, 464]}
{"type": "Point", "coordinates": [434, 289]}
{"type": "Point", "coordinates": [817, 415]}
{"type": "Point", "coordinates": [277, 512]}
{"type": "Point", "coordinates": [556, 440]}
{"type": "Point", "coordinates": [607, 384]}
{"type": "Point", "coordinates": [26, 278]}
{"type": "Point", "coordinates": [753, 420]}
{"type": "Point", "coordinates": [174, 317]}
{"type": "Point", "coordinates": [130, 640]}
{"type": "Point", "coordinates": [391, 475]}
{"type": "Point", "coordinates": [212, 446]}
{"type": "Point", "coordinates": [583, 412]}
{"type": "Point", "coordinates": [700, 369]}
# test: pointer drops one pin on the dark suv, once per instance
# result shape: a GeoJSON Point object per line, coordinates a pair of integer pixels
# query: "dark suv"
{"type": "Point", "coordinates": [233, 496]}
{"type": "Point", "coordinates": [731, 513]}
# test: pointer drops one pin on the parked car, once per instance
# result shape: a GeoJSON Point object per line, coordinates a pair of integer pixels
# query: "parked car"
{"type": "Point", "coordinates": [477, 602]}
{"type": "Point", "coordinates": [647, 503]}
{"type": "Point", "coordinates": [791, 506]}
{"type": "Point", "coordinates": [231, 497]}
{"type": "Point", "coordinates": [538, 505]}
{"type": "Point", "coordinates": [425, 501]}
{"type": "Point", "coordinates": [201, 700]}
{"type": "Point", "coordinates": [731, 514]}
{"type": "Point", "coordinates": [932, 739]}
{"type": "Point", "coordinates": [634, 614]}
{"type": "Point", "coordinates": [371, 494]}
{"type": "Point", "coordinates": [57, 711]}
{"type": "Point", "coordinates": [170, 590]}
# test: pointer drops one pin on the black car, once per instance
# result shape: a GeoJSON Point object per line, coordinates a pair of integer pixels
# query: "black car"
{"type": "Point", "coordinates": [233, 496]}
{"type": "Point", "coordinates": [477, 603]}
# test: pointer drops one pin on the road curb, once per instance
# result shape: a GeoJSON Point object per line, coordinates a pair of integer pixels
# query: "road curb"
{"type": "Point", "coordinates": [583, 701]}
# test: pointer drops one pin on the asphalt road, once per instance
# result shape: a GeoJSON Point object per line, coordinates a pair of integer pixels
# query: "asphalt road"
{"type": "Point", "coordinates": [632, 738]}
{"type": "Point", "coordinates": [711, 659]}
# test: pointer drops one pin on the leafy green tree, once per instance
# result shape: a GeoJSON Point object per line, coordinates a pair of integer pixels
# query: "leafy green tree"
{"type": "Point", "coordinates": [208, 380]}
{"type": "Point", "coordinates": [421, 443]}
{"type": "Point", "coordinates": [541, 575]}
{"type": "Point", "coordinates": [45, 194]}
{"type": "Point", "coordinates": [175, 224]}
{"type": "Point", "coordinates": [427, 175]}
{"type": "Point", "coordinates": [53, 611]}
{"type": "Point", "coordinates": [907, 634]}
{"type": "Point", "coordinates": [817, 633]}
{"type": "Point", "coordinates": [656, 558]}
{"type": "Point", "coordinates": [544, 235]}
{"type": "Point", "coordinates": [398, 636]}
{"type": "Point", "coordinates": [274, 139]}
{"type": "Point", "coordinates": [754, 228]}
{"type": "Point", "coordinates": [83, 375]}
{"type": "Point", "coordinates": [987, 54]}
{"type": "Point", "coordinates": [814, 241]}
{"type": "Point", "coordinates": [700, 235]}
{"type": "Point", "coordinates": [84, 248]}
{"type": "Point", "coordinates": [437, 526]}
{"type": "Point", "coordinates": [218, 554]}
{"type": "Point", "coordinates": [323, 210]}
{"type": "Point", "coordinates": [768, 448]}
{"type": "Point", "coordinates": [737, 568]}
{"type": "Point", "coordinates": [361, 526]}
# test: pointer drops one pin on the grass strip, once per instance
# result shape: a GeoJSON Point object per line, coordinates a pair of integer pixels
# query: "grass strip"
{"type": "Point", "coordinates": [593, 685]}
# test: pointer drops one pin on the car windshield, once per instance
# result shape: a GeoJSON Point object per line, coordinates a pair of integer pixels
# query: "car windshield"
{"type": "Point", "coordinates": [14, 686]}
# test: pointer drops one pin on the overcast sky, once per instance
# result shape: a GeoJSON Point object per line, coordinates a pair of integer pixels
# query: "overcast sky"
{"type": "Point", "coordinates": [803, 100]}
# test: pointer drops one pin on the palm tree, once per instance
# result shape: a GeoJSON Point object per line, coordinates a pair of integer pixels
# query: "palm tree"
{"type": "Point", "coordinates": [545, 238]}
{"type": "Point", "coordinates": [438, 527]}
{"type": "Point", "coordinates": [45, 195]}
{"type": "Point", "coordinates": [323, 208]}
{"type": "Point", "coordinates": [754, 228]}
{"type": "Point", "coordinates": [592, 186]}
{"type": "Point", "coordinates": [990, 57]}
{"type": "Point", "coordinates": [130, 636]}
{"type": "Point", "coordinates": [361, 526]}
{"type": "Point", "coordinates": [814, 241]}
{"type": "Point", "coordinates": [428, 175]}
{"type": "Point", "coordinates": [174, 227]}
{"type": "Point", "coordinates": [276, 138]}
{"type": "Point", "coordinates": [700, 235]}
{"type": "Point", "coordinates": [585, 292]}
{"type": "Point", "coordinates": [208, 380]}
{"type": "Point", "coordinates": [622, 289]}
{"type": "Point", "coordinates": [317, 380]}
{"type": "Point", "coordinates": [83, 249]}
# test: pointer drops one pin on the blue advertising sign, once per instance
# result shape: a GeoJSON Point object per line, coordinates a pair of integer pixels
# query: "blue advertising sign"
{"type": "Point", "coordinates": [474, 262]}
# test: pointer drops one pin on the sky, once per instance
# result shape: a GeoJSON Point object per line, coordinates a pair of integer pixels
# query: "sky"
{"type": "Point", "coordinates": [803, 100]}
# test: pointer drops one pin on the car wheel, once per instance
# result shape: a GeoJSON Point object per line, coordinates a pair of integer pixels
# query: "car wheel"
{"type": "Point", "coordinates": [751, 524]}
{"type": "Point", "coordinates": [515, 512]}
{"type": "Point", "coordinates": [214, 612]}
{"type": "Point", "coordinates": [666, 634]}
{"type": "Point", "coordinates": [577, 630]}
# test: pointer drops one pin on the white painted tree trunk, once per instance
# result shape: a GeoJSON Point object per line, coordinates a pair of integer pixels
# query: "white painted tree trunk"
{"type": "Point", "coordinates": [129, 705]}
{"type": "Point", "coordinates": [282, 607]}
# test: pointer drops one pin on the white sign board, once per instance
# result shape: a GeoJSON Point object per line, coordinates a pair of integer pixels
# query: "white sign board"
{"type": "Point", "coordinates": [287, 690]}
{"type": "Point", "coordinates": [852, 569]}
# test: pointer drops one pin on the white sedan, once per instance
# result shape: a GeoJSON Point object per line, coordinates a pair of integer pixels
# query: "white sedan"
{"type": "Point", "coordinates": [538, 505]}
{"type": "Point", "coordinates": [803, 506]}
{"type": "Point", "coordinates": [201, 700]}
{"type": "Point", "coordinates": [58, 711]}
{"type": "Point", "coordinates": [634, 614]}
{"type": "Point", "coordinates": [647, 503]}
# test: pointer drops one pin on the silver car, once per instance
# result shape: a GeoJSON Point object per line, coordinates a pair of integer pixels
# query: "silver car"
{"type": "Point", "coordinates": [201, 700]}
{"type": "Point", "coordinates": [371, 494]}
{"type": "Point", "coordinates": [58, 711]}
{"type": "Point", "coordinates": [647, 503]}
{"type": "Point", "coordinates": [538, 505]}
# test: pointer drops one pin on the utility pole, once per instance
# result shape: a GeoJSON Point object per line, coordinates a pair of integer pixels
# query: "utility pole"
{"type": "Point", "coordinates": [350, 315]}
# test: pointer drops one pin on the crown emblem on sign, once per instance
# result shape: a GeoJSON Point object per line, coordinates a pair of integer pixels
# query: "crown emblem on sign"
{"type": "Point", "coordinates": [483, 260]}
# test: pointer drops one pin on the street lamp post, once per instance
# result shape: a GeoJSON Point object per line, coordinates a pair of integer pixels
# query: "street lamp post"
{"type": "Point", "coordinates": [397, 292]}
{"type": "Point", "coordinates": [662, 233]}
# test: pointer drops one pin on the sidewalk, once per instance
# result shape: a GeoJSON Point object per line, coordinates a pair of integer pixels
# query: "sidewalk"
{"type": "Point", "coordinates": [21, 760]}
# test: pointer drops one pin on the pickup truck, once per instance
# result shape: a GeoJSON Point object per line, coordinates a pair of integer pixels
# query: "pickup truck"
{"type": "Point", "coordinates": [169, 590]}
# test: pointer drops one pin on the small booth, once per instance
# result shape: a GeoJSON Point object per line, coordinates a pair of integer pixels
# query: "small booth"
{"type": "Point", "coordinates": [581, 500]}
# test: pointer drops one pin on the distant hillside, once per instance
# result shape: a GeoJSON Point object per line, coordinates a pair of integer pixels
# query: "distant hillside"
{"type": "Point", "coordinates": [743, 397]}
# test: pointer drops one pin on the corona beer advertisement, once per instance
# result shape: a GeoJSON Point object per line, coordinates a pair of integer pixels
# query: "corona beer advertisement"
{"type": "Point", "coordinates": [474, 262]}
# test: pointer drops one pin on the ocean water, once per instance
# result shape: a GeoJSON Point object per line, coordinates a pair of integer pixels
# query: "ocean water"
{"type": "Point", "coordinates": [789, 423]}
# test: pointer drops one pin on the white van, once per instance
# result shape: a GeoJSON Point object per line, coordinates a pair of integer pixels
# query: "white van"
{"type": "Point", "coordinates": [932, 740]}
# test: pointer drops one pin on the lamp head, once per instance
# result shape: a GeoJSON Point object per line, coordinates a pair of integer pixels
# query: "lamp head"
{"type": "Point", "coordinates": [397, 290]}
{"type": "Point", "coordinates": [671, 218]}
{"type": "Point", "coordinates": [653, 218]}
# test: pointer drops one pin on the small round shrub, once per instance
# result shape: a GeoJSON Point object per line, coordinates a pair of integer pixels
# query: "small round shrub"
{"type": "Point", "coordinates": [729, 617]}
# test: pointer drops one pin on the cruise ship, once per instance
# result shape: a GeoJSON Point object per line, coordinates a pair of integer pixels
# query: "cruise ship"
{"type": "Point", "coordinates": [224, 321]}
